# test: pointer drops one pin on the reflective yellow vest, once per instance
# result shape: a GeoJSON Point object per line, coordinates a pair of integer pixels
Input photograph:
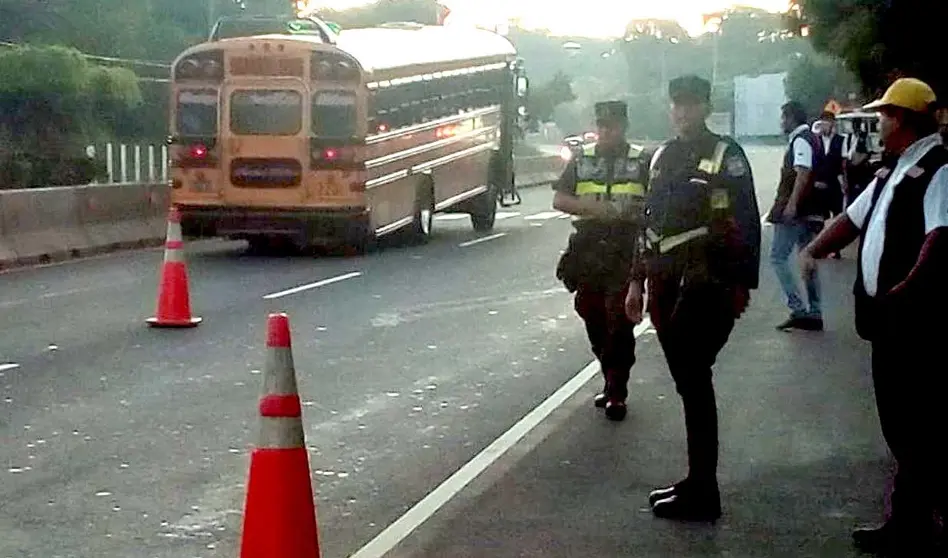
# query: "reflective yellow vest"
{"type": "Point", "coordinates": [627, 188]}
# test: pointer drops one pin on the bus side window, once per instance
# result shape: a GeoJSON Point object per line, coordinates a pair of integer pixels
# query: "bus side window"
{"type": "Point", "coordinates": [437, 97]}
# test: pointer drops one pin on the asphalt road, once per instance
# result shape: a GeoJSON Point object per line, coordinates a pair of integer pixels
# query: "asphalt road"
{"type": "Point", "coordinates": [121, 441]}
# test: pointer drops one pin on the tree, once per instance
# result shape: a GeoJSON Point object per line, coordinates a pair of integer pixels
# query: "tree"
{"type": "Point", "coordinates": [815, 79]}
{"type": "Point", "coordinates": [879, 40]}
{"type": "Point", "coordinates": [52, 100]}
{"type": "Point", "coordinates": [544, 99]}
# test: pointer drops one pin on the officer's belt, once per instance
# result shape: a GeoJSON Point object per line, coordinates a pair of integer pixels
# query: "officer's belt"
{"type": "Point", "coordinates": [669, 243]}
{"type": "Point", "coordinates": [585, 188]}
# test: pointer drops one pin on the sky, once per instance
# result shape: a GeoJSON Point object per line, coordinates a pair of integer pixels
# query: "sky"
{"type": "Point", "coordinates": [596, 18]}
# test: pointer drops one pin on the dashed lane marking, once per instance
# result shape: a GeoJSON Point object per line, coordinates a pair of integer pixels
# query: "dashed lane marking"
{"type": "Point", "coordinates": [398, 531]}
{"type": "Point", "coordinates": [8, 366]}
{"type": "Point", "coordinates": [315, 285]}
{"type": "Point", "coordinates": [543, 216]}
{"type": "Point", "coordinates": [482, 239]}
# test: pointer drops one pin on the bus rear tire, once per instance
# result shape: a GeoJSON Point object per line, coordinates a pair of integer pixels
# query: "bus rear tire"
{"type": "Point", "coordinates": [484, 210]}
{"type": "Point", "coordinates": [423, 216]}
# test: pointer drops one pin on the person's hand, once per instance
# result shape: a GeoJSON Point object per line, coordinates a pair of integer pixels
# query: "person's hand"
{"type": "Point", "coordinates": [807, 263]}
{"type": "Point", "coordinates": [633, 303]}
{"type": "Point", "coordinates": [741, 300]}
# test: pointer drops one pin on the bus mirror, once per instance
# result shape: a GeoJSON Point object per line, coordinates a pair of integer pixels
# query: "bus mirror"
{"type": "Point", "coordinates": [522, 84]}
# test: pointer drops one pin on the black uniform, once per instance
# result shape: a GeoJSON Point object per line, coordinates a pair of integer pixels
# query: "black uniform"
{"type": "Point", "coordinates": [601, 253]}
{"type": "Point", "coordinates": [704, 229]}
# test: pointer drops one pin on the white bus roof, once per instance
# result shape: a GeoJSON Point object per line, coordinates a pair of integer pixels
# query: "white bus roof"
{"type": "Point", "coordinates": [381, 48]}
{"type": "Point", "coordinates": [857, 114]}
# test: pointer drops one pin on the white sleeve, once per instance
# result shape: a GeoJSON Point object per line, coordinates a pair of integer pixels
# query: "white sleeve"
{"type": "Point", "coordinates": [802, 154]}
{"type": "Point", "coordinates": [936, 201]}
{"type": "Point", "coordinates": [859, 209]}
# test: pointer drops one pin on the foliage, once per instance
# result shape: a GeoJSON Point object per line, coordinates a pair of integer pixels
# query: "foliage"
{"type": "Point", "coordinates": [880, 40]}
{"type": "Point", "coordinates": [816, 78]}
{"type": "Point", "coordinates": [545, 98]}
{"type": "Point", "coordinates": [51, 101]}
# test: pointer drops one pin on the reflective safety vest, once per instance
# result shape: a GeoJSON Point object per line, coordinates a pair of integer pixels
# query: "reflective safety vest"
{"type": "Point", "coordinates": [622, 185]}
{"type": "Point", "coordinates": [701, 181]}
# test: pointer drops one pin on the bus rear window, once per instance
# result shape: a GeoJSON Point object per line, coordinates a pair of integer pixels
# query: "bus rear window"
{"type": "Point", "coordinates": [197, 113]}
{"type": "Point", "coordinates": [266, 112]}
{"type": "Point", "coordinates": [334, 114]}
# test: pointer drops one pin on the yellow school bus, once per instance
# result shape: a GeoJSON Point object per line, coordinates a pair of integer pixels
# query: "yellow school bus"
{"type": "Point", "coordinates": [343, 139]}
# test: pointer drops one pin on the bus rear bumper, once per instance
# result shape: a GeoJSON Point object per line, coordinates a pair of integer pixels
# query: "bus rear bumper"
{"type": "Point", "coordinates": [301, 225]}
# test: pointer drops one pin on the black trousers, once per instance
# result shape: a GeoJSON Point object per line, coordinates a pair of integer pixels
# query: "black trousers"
{"type": "Point", "coordinates": [693, 324]}
{"type": "Point", "coordinates": [910, 379]}
{"type": "Point", "coordinates": [611, 335]}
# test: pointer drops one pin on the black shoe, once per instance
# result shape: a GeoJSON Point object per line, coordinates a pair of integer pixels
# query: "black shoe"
{"type": "Point", "coordinates": [688, 503]}
{"type": "Point", "coordinates": [805, 323]}
{"type": "Point", "coordinates": [616, 410]}
{"type": "Point", "coordinates": [888, 540]}
{"type": "Point", "coordinates": [878, 540]}
{"type": "Point", "coordinates": [600, 400]}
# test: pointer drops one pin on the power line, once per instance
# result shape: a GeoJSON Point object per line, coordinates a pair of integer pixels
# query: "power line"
{"type": "Point", "coordinates": [130, 61]}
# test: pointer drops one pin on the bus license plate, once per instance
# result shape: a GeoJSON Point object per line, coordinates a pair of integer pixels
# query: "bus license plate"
{"type": "Point", "coordinates": [329, 189]}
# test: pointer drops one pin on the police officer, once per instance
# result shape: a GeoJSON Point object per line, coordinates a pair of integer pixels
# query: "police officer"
{"type": "Point", "coordinates": [703, 234]}
{"type": "Point", "coordinates": [901, 221]}
{"type": "Point", "coordinates": [604, 189]}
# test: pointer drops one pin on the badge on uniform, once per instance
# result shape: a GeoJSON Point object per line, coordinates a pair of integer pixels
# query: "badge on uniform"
{"type": "Point", "coordinates": [706, 166]}
{"type": "Point", "coordinates": [915, 172]}
{"type": "Point", "coordinates": [882, 173]}
{"type": "Point", "coordinates": [719, 198]}
{"type": "Point", "coordinates": [736, 167]}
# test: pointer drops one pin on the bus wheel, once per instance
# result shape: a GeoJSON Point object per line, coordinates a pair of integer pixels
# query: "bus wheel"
{"type": "Point", "coordinates": [484, 210]}
{"type": "Point", "coordinates": [424, 213]}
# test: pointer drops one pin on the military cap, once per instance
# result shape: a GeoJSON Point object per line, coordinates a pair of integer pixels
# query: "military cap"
{"type": "Point", "coordinates": [690, 88]}
{"type": "Point", "coordinates": [612, 111]}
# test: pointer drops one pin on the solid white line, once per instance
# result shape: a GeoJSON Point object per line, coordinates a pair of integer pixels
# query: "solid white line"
{"type": "Point", "coordinates": [315, 285]}
{"type": "Point", "coordinates": [482, 239]}
{"type": "Point", "coordinates": [10, 366]}
{"type": "Point", "coordinates": [543, 216]}
{"type": "Point", "coordinates": [395, 533]}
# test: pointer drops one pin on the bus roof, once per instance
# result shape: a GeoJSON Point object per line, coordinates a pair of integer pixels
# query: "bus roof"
{"type": "Point", "coordinates": [396, 45]}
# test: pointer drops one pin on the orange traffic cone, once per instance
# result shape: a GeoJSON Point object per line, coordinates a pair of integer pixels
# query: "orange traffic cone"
{"type": "Point", "coordinates": [174, 305]}
{"type": "Point", "coordinates": [279, 513]}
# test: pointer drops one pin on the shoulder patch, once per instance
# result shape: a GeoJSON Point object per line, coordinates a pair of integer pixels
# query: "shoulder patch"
{"type": "Point", "coordinates": [915, 171]}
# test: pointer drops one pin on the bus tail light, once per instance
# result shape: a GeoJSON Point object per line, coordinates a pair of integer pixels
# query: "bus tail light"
{"type": "Point", "coordinates": [333, 157]}
{"type": "Point", "coordinates": [193, 153]}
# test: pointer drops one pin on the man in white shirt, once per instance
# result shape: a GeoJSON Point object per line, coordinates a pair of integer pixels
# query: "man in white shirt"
{"type": "Point", "coordinates": [901, 296]}
{"type": "Point", "coordinates": [797, 217]}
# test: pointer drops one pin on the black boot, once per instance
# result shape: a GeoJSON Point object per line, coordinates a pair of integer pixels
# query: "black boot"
{"type": "Point", "coordinates": [616, 410]}
{"type": "Point", "coordinates": [690, 502]}
{"type": "Point", "coordinates": [897, 540]}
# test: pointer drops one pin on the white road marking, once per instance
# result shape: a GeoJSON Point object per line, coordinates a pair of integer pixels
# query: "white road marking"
{"type": "Point", "coordinates": [501, 215]}
{"type": "Point", "coordinates": [79, 290]}
{"type": "Point", "coordinates": [8, 366]}
{"type": "Point", "coordinates": [398, 531]}
{"type": "Point", "coordinates": [543, 216]}
{"type": "Point", "coordinates": [315, 285]}
{"type": "Point", "coordinates": [482, 239]}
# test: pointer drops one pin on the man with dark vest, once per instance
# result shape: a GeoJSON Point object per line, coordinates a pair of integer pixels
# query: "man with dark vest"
{"type": "Point", "coordinates": [797, 217]}
{"type": "Point", "coordinates": [703, 235]}
{"type": "Point", "coordinates": [828, 175]}
{"type": "Point", "coordinates": [604, 190]}
{"type": "Point", "coordinates": [901, 298]}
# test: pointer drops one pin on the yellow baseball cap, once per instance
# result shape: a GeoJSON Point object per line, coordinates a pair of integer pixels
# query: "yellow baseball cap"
{"type": "Point", "coordinates": [908, 93]}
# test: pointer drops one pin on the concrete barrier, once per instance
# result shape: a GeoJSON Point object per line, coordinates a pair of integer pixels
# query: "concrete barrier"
{"type": "Point", "coordinates": [43, 225]}
{"type": "Point", "coordinates": [50, 224]}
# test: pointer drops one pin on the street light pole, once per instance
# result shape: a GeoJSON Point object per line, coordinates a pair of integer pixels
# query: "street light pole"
{"type": "Point", "coordinates": [211, 14]}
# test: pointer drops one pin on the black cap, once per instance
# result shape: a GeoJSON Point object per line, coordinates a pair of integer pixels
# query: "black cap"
{"type": "Point", "coordinates": [690, 88]}
{"type": "Point", "coordinates": [612, 111]}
